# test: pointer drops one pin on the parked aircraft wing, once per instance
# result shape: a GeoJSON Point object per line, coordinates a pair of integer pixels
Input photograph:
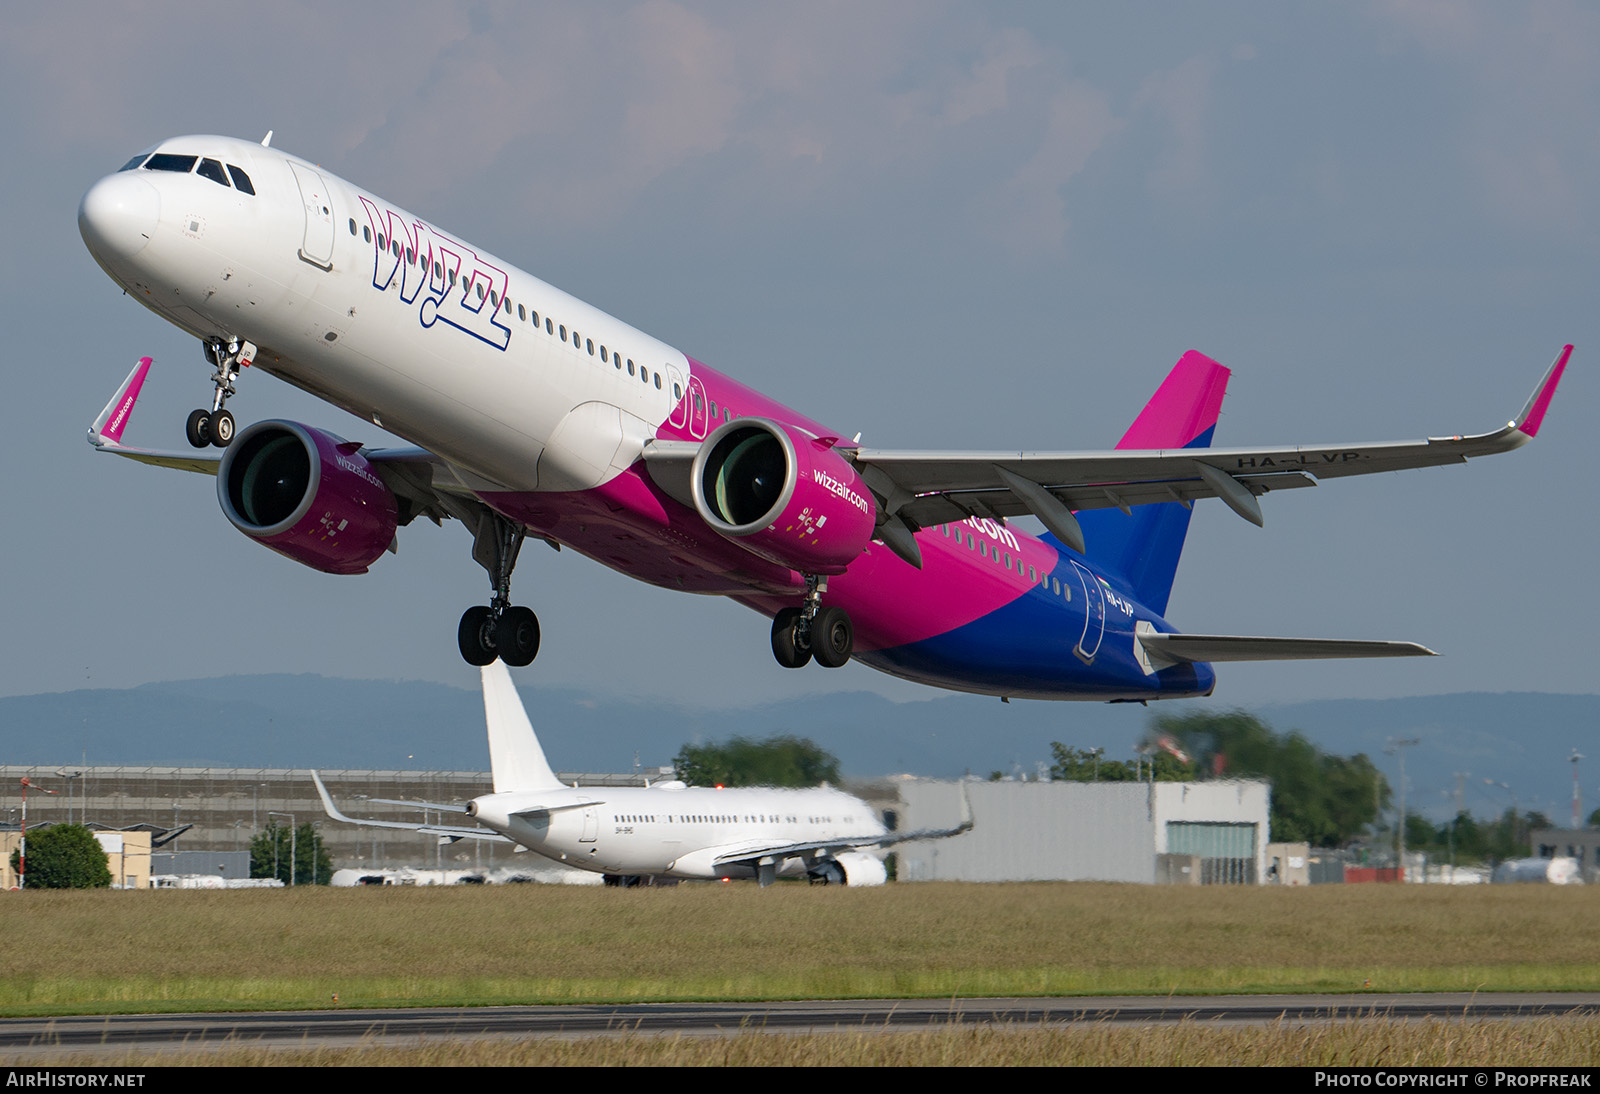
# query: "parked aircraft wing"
{"type": "Point", "coordinates": [448, 831]}
{"type": "Point", "coordinates": [848, 843]}
{"type": "Point", "coordinates": [939, 487]}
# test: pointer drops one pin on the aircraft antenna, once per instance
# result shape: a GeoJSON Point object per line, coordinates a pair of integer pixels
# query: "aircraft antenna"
{"type": "Point", "coordinates": [266, 142]}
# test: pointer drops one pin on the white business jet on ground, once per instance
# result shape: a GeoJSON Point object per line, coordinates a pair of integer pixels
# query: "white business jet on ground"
{"type": "Point", "coordinates": [666, 830]}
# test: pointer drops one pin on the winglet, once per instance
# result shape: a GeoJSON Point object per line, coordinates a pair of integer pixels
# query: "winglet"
{"type": "Point", "coordinates": [327, 801]}
{"type": "Point", "coordinates": [108, 427]}
{"type": "Point", "coordinates": [1532, 415]}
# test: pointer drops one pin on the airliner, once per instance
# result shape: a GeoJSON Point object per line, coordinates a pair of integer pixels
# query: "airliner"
{"type": "Point", "coordinates": [669, 830]}
{"type": "Point", "coordinates": [536, 414]}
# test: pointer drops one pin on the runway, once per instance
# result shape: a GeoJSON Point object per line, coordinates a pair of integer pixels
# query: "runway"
{"type": "Point", "coordinates": [333, 1028]}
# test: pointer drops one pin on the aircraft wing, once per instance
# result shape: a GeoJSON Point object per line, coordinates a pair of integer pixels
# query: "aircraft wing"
{"type": "Point", "coordinates": [426, 485]}
{"type": "Point", "coordinates": [445, 831]}
{"type": "Point", "coordinates": [925, 488]}
{"type": "Point", "coordinates": [847, 843]}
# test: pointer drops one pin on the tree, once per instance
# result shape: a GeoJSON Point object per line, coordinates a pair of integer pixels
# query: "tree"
{"type": "Point", "coordinates": [293, 857]}
{"type": "Point", "coordinates": [777, 761]}
{"type": "Point", "coordinates": [1317, 798]}
{"type": "Point", "coordinates": [64, 856]}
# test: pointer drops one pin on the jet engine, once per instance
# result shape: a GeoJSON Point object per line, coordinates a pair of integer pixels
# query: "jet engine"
{"type": "Point", "coordinates": [850, 868]}
{"type": "Point", "coordinates": [784, 495]}
{"type": "Point", "coordinates": [308, 495]}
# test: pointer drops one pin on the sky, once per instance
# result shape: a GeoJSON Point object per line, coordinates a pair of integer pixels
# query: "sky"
{"type": "Point", "coordinates": [943, 224]}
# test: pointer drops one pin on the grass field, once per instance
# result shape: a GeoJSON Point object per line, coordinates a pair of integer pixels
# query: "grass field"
{"type": "Point", "coordinates": [96, 952]}
{"type": "Point", "coordinates": [1544, 1043]}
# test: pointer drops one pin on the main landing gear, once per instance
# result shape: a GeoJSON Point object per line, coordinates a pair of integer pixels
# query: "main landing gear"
{"type": "Point", "coordinates": [500, 629]}
{"type": "Point", "coordinates": [811, 630]}
{"type": "Point", "coordinates": [216, 426]}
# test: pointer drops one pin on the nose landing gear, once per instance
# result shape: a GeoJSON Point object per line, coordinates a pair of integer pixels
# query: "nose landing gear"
{"type": "Point", "coordinates": [216, 426]}
{"type": "Point", "coordinates": [799, 634]}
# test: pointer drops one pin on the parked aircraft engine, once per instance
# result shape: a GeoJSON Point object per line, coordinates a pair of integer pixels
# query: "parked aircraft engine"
{"type": "Point", "coordinates": [783, 495]}
{"type": "Point", "coordinates": [308, 495]}
{"type": "Point", "coordinates": [850, 868]}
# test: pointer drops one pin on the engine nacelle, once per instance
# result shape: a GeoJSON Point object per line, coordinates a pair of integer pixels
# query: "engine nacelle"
{"type": "Point", "coordinates": [852, 868]}
{"type": "Point", "coordinates": [783, 495]}
{"type": "Point", "coordinates": [308, 495]}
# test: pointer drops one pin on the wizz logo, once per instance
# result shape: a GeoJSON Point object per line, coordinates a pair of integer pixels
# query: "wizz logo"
{"type": "Point", "coordinates": [445, 279]}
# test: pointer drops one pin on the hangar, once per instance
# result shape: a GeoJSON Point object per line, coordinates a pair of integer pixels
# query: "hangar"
{"type": "Point", "coordinates": [1182, 832]}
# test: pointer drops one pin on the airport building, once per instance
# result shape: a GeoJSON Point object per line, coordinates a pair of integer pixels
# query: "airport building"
{"type": "Point", "coordinates": [1181, 833]}
{"type": "Point", "coordinates": [202, 809]}
{"type": "Point", "coordinates": [1205, 833]}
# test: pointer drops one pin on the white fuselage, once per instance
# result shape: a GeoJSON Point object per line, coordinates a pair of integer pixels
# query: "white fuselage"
{"type": "Point", "coordinates": [424, 355]}
{"type": "Point", "coordinates": [675, 831]}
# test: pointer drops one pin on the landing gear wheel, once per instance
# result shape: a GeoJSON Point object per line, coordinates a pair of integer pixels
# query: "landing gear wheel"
{"type": "Point", "coordinates": [198, 428]}
{"type": "Point", "coordinates": [832, 637]}
{"type": "Point", "coordinates": [516, 637]}
{"type": "Point", "coordinates": [222, 429]}
{"type": "Point", "coordinates": [476, 636]}
{"type": "Point", "coordinates": [790, 654]}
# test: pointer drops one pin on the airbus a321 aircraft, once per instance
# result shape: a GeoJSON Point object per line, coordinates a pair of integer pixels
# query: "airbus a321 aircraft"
{"type": "Point", "coordinates": [665, 830]}
{"type": "Point", "coordinates": [537, 414]}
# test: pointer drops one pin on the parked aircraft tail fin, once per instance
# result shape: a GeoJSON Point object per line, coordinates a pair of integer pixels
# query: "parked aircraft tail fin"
{"type": "Point", "coordinates": [1143, 544]}
{"type": "Point", "coordinates": [515, 756]}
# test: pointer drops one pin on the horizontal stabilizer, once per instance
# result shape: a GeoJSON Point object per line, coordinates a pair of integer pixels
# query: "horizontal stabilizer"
{"type": "Point", "coordinates": [1174, 649]}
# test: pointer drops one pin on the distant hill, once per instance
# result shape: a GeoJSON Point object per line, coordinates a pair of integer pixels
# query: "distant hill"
{"type": "Point", "coordinates": [314, 721]}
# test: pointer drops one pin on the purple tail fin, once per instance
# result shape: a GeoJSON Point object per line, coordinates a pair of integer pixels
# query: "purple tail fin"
{"type": "Point", "coordinates": [1143, 546]}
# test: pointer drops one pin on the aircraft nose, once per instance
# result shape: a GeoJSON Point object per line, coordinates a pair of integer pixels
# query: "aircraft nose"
{"type": "Point", "coordinates": [118, 215]}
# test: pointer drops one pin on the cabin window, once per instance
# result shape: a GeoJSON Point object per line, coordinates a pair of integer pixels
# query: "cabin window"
{"type": "Point", "coordinates": [630, 368]}
{"type": "Point", "coordinates": [563, 332]}
{"type": "Point", "coordinates": [480, 292]}
{"type": "Point", "coordinates": [549, 326]}
{"type": "Point", "coordinates": [588, 344]}
{"type": "Point", "coordinates": [366, 233]}
{"type": "Point", "coordinates": [438, 269]}
{"type": "Point", "coordinates": [394, 247]}
{"type": "Point", "coordinates": [352, 225]}
{"type": "Point", "coordinates": [411, 257]}
{"type": "Point", "coordinates": [508, 306]}
{"type": "Point", "coordinates": [521, 314]}
{"type": "Point", "coordinates": [242, 181]}
{"type": "Point", "coordinates": [658, 385]}
{"type": "Point", "coordinates": [166, 161]}
{"type": "Point", "coordinates": [677, 391]}
{"type": "Point", "coordinates": [494, 301]}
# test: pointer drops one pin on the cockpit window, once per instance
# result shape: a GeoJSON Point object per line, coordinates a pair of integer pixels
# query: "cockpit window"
{"type": "Point", "coordinates": [212, 170]}
{"type": "Point", "coordinates": [166, 161]}
{"type": "Point", "coordinates": [241, 180]}
{"type": "Point", "coordinates": [135, 162]}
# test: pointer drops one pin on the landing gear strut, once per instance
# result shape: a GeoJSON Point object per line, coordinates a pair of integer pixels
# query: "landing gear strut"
{"type": "Point", "coordinates": [500, 630]}
{"type": "Point", "coordinates": [811, 630]}
{"type": "Point", "coordinates": [216, 426]}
